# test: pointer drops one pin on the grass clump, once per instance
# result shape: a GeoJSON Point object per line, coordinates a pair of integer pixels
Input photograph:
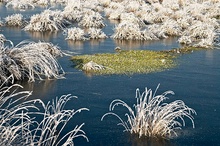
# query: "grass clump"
{"type": "Point", "coordinates": [30, 60]}
{"type": "Point", "coordinates": [127, 62]}
{"type": "Point", "coordinates": [31, 122]}
{"type": "Point", "coordinates": [152, 117]}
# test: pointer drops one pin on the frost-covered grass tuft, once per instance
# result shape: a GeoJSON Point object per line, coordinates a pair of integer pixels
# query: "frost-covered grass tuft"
{"type": "Point", "coordinates": [74, 33]}
{"type": "Point", "coordinates": [93, 19]}
{"type": "Point", "coordinates": [127, 31]}
{"type": "Point", "coordinates": [199, 35]}
{"type": "Point", "coordinates": [138, 19]}
{"type": "Point", "coordinates": [152, 117]}
{"type": "Point", "coordinates": [15, 20]}
{"type": "Point", "coordinates": [73, 11]}
{"type": "Point", "coordinates": [20, 4]}
{"type": "Point", "coordinates": [92, 66]}
{"type": "Point", "coordinates": [48, 20]}
{"type": "Point", "coordinates": [30, 60]}
{"type": "Point", "coordinates": [96, 33]}
{"type": "Point", "coordinates": [19, 125]}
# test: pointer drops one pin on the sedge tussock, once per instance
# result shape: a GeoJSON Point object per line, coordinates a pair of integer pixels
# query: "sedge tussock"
{"type": "Point", "coordinates": [48, 20]}
{"type": "Point", "coordinates": [203, 35]}
{"type": "Point", "coordinates": [104, 3]}
{"type": "Point", "coordinates": [128, 31]}
{"type": "Point", "coordinates": [30, 60]}
{"type": "Point", "coordinates": [92, 66]}
{"type": "Point", "coordinates": [151, 117]}
{"type": "Point", "coordinates": [42, 2]}
{"type": "Point", "coordinates": [19, 125]}
{"type": "Point", "coordinates": [93, 19]}
{"type": "Point", "coordinates": [96, 33]}
{"type": "Point", "coordinates": [15, 20]}
{"type": "Point", "coordinates": [20, 4]}
{"type": "Point", "coordinates": [132, 6]}
{"type": "Point", "coordinates": [114, 14]}
{"type": "Point", "coordinates": [73, 11]}
{"type": "Point", "coordinates": [74, 33]}
{"type": "Point", "coordinates": [170, 19]}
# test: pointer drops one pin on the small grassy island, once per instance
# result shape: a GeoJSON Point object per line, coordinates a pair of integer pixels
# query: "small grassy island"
{"type": "Point", "coordinates": [130, 61]}
{"type": "Point", "coordinates": [125, 62]}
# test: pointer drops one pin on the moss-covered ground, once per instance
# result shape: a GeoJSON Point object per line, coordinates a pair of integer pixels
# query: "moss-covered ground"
{"type": "Point", "coordinates": [128, 62]}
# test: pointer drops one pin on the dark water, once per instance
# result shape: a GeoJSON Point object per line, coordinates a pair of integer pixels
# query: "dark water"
{"type": "Point", "coordinates": [196, 81]}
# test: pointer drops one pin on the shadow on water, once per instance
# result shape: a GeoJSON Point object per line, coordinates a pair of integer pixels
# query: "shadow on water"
{"type": "Point", "coordinates": [40, 89]}
{"type": "Point", "coordinates": [143, 141]}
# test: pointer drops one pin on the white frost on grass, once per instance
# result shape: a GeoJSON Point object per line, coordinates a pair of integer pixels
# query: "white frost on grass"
{"type": "Point", "coordinates": [201, 34]}
{"type": "Point", "coordinates": [48, 20]}
{"type": "Point", "coordinates": [30, 60]}
{"type": "Point", "coordinates": [151, 117]}
{"type": "Point", "coordinates": [15, 20]}
{"type": "Point", "coordinates": [75, 33]}
{"type": "Point", "coordinates": [73, 11]}
{"type": "Point", "coordinates": [19, 125]}
{"type": "Point", "coordinates": [92, 19]}
{"type": "Point", "coordinates": [170, 18]}
{"type": "Point", "coordinates": [92, 66]}
{"type": "Point", "coordinates": [20, 4]}
{"type": "Point", "coordinates": [96, 33]}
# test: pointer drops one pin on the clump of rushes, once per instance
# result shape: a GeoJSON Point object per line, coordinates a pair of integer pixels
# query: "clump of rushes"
{"type": "Point", "coordinates": [96, 33]}
{"type": "Point", "coordinates": [152, 117]}
{"type": "Point", "coordinates": [93, 19]}
{"type": "Point", "coordinates": [30, 60]}
{"type": "Point", "coordinates": [20, 4]}
{"type": "Point", "coordinates": [19, 125]}
{"type": "Point", "coordinates": [48, 20]}
{"type": "Point", "coordinates": [14, 20]}
{"type": "Point", "coordinates": [127, 62]}
{"type": "Point", "coordinates": [74, 33]}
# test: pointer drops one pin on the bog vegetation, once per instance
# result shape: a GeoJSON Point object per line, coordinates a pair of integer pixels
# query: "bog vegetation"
{"type": "Point", "coordinates": [124, 62]}
{"type": "Point", "coordinates": [194, 22]}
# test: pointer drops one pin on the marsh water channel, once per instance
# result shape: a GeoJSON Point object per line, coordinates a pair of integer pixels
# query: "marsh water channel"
{"type": "Point", "coordinates": [196, 81]}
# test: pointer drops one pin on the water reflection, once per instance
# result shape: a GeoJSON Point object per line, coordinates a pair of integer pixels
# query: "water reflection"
{"type": "Point", "coordinates": [96, 42]}
{"type": "Point", "coordinates": [75, 45]}
{"type": "Point", "coordinates": [40, 88]}
{"type": "Point", "coordinates": [144, 141]}
{"type": "Point", "coordinates": [130, 44]}
{"type": "Point", "coordinates": [209, 55]}
{"type": "Point", "coordinates": [43, 36]}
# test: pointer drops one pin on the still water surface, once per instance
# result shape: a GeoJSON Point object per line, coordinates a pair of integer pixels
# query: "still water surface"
{"type": "Point", "coordinates": [196, 81]}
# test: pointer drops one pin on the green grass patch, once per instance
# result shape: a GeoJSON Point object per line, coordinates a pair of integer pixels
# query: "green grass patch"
{"type": "Point", "coordinates": [127, 62]}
